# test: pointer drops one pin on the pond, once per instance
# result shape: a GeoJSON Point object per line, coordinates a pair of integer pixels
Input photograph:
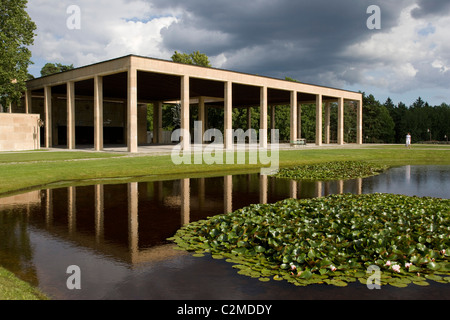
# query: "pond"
{"type": "Point", "coordinates": [116, 234]}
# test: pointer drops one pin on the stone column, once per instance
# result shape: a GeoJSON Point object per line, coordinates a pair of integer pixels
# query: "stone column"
{"type": "Point", "coordinates": [319, 120]}
{"type": "Point", "coordinates": [272, 121]}
{"type": "Point", "coordinates": [48, 116]}
{"type": "Point", "coordinates": [201, 115]}
{"type": "Point", "coordinates": [28, 101]}
{"type": "Point", "coordinates": [293, 115]}
{"type": "Point", "coordinates": [340, 133]}
{"type": "Point", "coordinates": [160, 122]}
{"type": "Point", "coordinates": [327, 122]}
{"type": "Point", "coordinates": [185, 103]}
{"type": "Point", "coordinates": [98, 113]}
{"type": "Point", "coordinates": [228, 116]}
{"type": "Point", "coordinates": [249, 123]}
{"type": "Point", "coordinates": [155, 123]}
{"type": "Point", "coordinates": [299, 121]}
{"type": "Point", "coordinates": [359, 130]}
{"type": "Point", "coordinates": [132, 110]}
{"type": "Point", "coordinates": [263, 118]}
{"type": "Point", "coordinates": [70, 115]}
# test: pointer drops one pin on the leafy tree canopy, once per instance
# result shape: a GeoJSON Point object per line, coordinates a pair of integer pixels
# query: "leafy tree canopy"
{"type": "Point", "coordinates": [52, 68]}
{"type": "Point", "coordinates": [16, 35]}
{"type": "Point", "coordinates": [195, 58]}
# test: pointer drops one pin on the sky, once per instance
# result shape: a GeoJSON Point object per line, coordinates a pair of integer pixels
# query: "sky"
{"type": "Point", "coordinates": [330, 43]}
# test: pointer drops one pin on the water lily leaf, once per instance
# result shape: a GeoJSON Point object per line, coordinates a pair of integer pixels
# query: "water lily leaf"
{"type": "Point", "coordinates": [348, 231]}
{"type": "Point", "coordinates": [413, 268]}
{"type": "Point", "coordinates": [433, 266]}
{"type": "Point", "coordinates": [260, 249]}
{"type": "Point", "coordinates": [306, 275]}
{"type": "Point", "coordinates": [398, 284]}
{"type": "Point", "coordinates": [214, 233]}
{"type": "Point", "coordinates": [337, 283]}
{"type": "Point", "coordinates": [433, 277]}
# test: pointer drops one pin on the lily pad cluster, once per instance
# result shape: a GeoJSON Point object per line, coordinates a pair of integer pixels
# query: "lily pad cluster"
{"type": "Point", "coordinates": [336, 170]}
{"type": "Point", "coordinates": [333, 240]}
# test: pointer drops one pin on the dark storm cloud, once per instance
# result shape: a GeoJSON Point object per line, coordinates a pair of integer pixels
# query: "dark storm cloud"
{"type": "Point", "coordinates": [276, 38]}
{"type": "Point", "coordinates": [431, 7]}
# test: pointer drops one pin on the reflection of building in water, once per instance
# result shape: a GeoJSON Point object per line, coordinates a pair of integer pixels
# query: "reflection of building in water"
{"type": "Point", "coordinates": [28, 199]}
{"type": "Point", "coordinates": [131, 222]}
{"type": "Point", "coordinates": [16, 250]}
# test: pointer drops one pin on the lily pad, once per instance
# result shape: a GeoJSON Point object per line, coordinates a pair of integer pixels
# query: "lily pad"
{"type": "Point", "coordinates": [331, 238]}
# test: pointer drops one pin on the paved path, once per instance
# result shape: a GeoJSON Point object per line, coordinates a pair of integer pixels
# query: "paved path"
{"type": "Point", "coordinates": [167, 149]}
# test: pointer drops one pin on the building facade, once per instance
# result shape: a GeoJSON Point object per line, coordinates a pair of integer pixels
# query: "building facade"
{"type": "Point", "coordinates": [106, 102]}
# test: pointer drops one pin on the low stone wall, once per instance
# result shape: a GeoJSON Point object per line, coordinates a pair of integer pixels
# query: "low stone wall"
{"type": "Point", "coordinates": [19, 132]}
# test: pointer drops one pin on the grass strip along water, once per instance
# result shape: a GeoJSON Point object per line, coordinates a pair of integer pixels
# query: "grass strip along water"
{"type": "Point", "coordinates": [332, 240]}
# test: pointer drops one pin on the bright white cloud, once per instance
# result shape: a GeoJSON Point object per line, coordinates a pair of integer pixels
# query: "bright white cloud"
{"type": "Point", "coordinates": [407, 56]}
{"type": "Point", "coordinates": [108, 30]}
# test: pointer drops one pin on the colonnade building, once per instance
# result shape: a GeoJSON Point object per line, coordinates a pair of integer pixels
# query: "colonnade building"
{"type": "Point", "coordinates": [106, 102]}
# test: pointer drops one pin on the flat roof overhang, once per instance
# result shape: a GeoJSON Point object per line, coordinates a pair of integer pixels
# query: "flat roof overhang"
{"type": "Point", "coordinates": [159, 80]}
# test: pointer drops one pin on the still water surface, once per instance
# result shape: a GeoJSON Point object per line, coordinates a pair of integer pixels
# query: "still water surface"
{"type": "Point", "coordinates": [117, 235]}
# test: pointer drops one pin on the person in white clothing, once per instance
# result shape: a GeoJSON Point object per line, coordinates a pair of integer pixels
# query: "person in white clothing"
{"type": "Point", "coordinates": [408, 140]}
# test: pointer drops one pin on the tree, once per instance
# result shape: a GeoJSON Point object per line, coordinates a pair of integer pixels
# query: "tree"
{"type": "Point", "coordinates": [16, 35]}
{"type": "Point", "coordinates": [195, 58]}
{"type": "Point", "coordinates": [378, 125]}
{"type": "Point", "coordinates": [52, 68]}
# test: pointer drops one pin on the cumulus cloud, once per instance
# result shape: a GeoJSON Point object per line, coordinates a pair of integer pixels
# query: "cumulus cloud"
{"type": "Point", "coordinates": [108, 29]}
{"type": "Point", "coordinates": [322, 42]}
{"type": "Point", "coordinates": [412, 55]}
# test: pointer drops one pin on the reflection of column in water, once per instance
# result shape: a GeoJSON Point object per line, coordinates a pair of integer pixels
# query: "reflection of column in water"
{"type": "Point", "coordinates": [72, 209]}
{"type": "Point", "coordinates": [201, 192]}
{"type": "Point", "coordinates": [340, 186]}
{"type": "Point", "coordinates": [263, 189]}
{"type": "Point", "coordinates": [49, 208]}
{"type": "Point", "coordinates": [133, 223]}
{"type": "Point", "coordinates": [99, 213]}
{"type": "Point", "coordinates": [359, 186]}
{"type": "Point", "coordinates": [327, 188]}
{"type": "Point", "coordinates": [408, 173]}
{"type": "Point", "coordinates": [228, 193]}
{"type": "Point", "coordinates": [185, 201]}
{"type": "Point", "coordinates": [293, 189]}
{"type": "Point", "coordinates": [319, 189]}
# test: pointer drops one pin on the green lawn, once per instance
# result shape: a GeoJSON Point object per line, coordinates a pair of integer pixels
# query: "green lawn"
{"type": "Point", "coordinates": [12, 288]}
{"type": "Point", "coordinates": [23, 171]}
{"type": "Point", "coordinates": [33, 170]}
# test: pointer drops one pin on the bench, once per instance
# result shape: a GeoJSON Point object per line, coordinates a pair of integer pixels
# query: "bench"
{"type": "Point", "coordinates": [298, 142]}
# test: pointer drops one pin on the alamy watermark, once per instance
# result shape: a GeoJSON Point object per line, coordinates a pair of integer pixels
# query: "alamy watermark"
{"type": "Point", "coordinates": [214, 152]}
{"type": "Point", "coordinates": [374, 21]}
{"type": "Point", "coordinates": [73, 22]}
{"type": "Point", "coordinates": [374, 281]}
{"type": "Point", "coordinates": [74, 280]}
